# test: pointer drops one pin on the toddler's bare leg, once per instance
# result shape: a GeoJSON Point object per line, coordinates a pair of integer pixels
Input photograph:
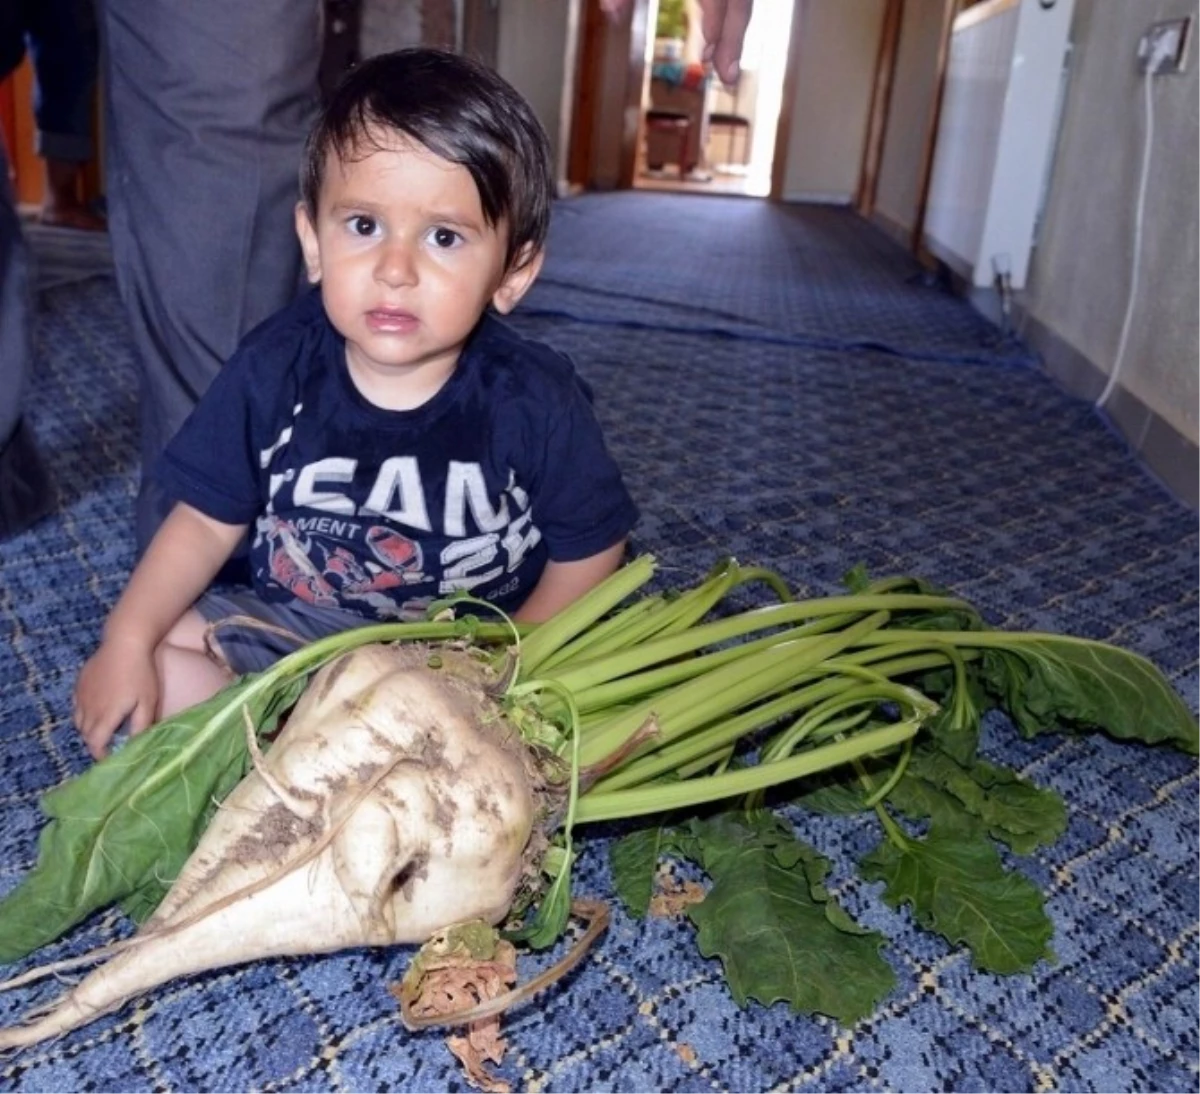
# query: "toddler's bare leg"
{"type": "Point", "coordinates": [187, 674]}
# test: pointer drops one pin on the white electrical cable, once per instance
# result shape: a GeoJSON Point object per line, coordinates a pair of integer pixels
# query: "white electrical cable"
{"type": "Point", "coordinates": [1147, 79]}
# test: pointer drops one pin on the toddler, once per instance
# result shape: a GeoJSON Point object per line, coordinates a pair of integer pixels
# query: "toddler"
{"type": "Point", "coordinates": [385, 440]}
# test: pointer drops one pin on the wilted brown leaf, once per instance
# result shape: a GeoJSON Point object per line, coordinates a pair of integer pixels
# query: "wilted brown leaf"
{"type": "Point", "coordinates": [453, 983]}
{"type": "Point", "coordinates": [481, 1043]}
{"type": "Point", "coordinates": [674, 897]}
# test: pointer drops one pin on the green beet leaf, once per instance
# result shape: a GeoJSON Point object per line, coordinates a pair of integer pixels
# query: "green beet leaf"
{"type": "Point", "coordinates": [634, 861]}
{"type": "Point", "coordinates": [790, 852]}
{"type": "Point", "coordinates": [922, 800]}
{"type": "Point", "coordinates": [777, 940]}
{"type": "Point", "coordinates": [836, 793]}
{"type": "Point", "coordinates": [122, 830]}
{"type": "Point", "coordinates": [1012, 809]}
{"type": "Point", "coordinates": [1043, 680]}
{"type": "Point", "coordinates": [957, 886]}
{"type": "Point", "coordinates": [963, 617]}
{"type": "Point", "coordinates": [955, 728]}
{"type": "Point", "coordinates": [140, 904]}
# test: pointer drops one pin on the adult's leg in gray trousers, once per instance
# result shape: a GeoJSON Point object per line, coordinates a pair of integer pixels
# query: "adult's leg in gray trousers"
{"type": "Point", "coordinates": [208, 105]}
{"type": "Point", "coordinates": [25, 491]}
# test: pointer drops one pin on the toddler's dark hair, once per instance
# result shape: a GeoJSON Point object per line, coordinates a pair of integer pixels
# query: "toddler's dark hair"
{"type": "Point", "coordinates": [461, 111]}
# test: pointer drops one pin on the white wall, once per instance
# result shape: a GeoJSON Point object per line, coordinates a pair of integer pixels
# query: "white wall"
{"type": "Point", "coordinates": [839, 40]}
{"type": "Point", "coordinates": [1079, 282]}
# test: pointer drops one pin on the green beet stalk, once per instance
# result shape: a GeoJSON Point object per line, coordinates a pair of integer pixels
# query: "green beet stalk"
{"type": "Point", "coordinates": [670, 757]}
{"type": "Point", "coordinates": [831, 677]}
{"type": "Point", "coordinates": [723, 690]}
{"type": "Point", "coordinates": [633, 627]}
{"type": "Point", "coordinates": [581, 677]}
{"type": "Point", "coordinates": [607, 634]}
{"type": "Point", "coordinates": [663, 797]}
{"type": "Point", "coordinates": [874, 693]}
{"type": "Point", "coordinates": [616, 693]}
{"type": "Point", "coordinates": [659, 616]}
{"type": "Point", "coordinates": [823, 613]}
{"type": "Point", "coordinates": [594, 605]}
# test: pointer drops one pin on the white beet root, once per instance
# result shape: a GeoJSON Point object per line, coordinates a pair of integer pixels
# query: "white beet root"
{"type": "Point", "coordinates": [394, 802]}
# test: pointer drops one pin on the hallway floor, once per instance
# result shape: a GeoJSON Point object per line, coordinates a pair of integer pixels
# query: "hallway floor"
{"type": "Point", "coordinates": [780, 384]}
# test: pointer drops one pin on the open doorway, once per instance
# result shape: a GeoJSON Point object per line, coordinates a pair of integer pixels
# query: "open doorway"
{"type": "Point", "coordinates": [697, 135]}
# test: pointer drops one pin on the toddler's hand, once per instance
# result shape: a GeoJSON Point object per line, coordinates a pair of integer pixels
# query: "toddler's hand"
{"type": "Point", "coordinates": [118, 681]}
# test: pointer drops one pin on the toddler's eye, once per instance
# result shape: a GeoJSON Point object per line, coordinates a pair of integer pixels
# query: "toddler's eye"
{"type": "Point", "coordinates": [363, 225]}
{"type": "Point", "coordinates": [444, 237]}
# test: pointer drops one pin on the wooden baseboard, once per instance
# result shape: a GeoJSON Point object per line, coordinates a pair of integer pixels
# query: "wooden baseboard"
{"type": "Point", "coordinates": [817, 197]}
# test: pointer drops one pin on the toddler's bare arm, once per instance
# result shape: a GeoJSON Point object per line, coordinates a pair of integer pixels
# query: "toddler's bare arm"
{"type": "Point", "coordinates": [121, 679]}
{"type": "Point", "coordinates": [563, 583]}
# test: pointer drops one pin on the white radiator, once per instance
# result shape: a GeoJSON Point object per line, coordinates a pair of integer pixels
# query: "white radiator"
{"type": "Point", "coordinates": [995, 136]}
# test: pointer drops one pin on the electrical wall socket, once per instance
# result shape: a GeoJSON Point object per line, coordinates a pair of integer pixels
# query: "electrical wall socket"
{"type": "Point", "coordinates": [1162, 49]}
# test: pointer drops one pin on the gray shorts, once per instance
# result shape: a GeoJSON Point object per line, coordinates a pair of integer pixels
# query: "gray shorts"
{"type": "Point", "coordinates": [249, 650]}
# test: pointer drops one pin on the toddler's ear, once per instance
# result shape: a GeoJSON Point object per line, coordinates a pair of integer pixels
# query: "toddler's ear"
{"type": "Point", "coordinates": [517, 280]}
{"type": "Point", "coordinates": [307, 235]}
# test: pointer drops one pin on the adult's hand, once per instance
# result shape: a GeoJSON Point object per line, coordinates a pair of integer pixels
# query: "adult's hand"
{"type": "Point", "coordinates": [723, 24]}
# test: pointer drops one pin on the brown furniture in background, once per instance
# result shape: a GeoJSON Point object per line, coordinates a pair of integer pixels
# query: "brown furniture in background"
{"type": "Point", "coordinates": [661, 127]}
{"type": "Point", "coordinates": [676, 144]}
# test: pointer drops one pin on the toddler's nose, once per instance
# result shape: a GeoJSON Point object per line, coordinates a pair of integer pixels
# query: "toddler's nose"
{"type": "Point", "coordinates": [396, 265]}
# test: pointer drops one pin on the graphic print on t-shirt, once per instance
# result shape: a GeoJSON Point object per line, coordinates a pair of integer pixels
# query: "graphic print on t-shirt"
{"type": "Point", "coordinates": [386, 538]}
{"type": "Point", "coordinates": [327, 574]}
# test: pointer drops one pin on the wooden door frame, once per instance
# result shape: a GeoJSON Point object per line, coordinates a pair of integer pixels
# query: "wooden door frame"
{"type": "Point", "coordinates": [583, 104]}
{"type": "Point", "coordinates": [636, 85]}
{"type": "Point", "coordinates": [616, 51]}
{"type": "Point", "coordinates": [594, 31]}
{"type": "Point", "coordinates": [787, 102]}
{"type": "Point", "coordinates": [18, 130]}
{"type": "Point", "coordinates": [8, 119]}
{"type": "Point", "coordinates": [481, 30]}
{"type": "Point", "coordinates": [950, 10]}
{"type": "Point", "coordinates": [881, 101]}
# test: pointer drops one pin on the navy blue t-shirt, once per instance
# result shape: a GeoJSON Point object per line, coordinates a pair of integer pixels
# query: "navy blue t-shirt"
{"type": "Point", "coordinates": [381, 511]}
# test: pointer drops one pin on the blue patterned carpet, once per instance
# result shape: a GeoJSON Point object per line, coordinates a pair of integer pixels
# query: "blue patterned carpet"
{"type": "Point", "coordinates": [779, 384]}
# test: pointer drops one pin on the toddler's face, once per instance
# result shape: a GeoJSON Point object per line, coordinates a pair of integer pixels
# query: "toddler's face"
{"type": "Point", "coordinates": [407, 265]}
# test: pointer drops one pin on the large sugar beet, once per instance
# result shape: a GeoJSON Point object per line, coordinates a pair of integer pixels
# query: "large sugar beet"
{"type": "Point", "coordinates": [395, 801]}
